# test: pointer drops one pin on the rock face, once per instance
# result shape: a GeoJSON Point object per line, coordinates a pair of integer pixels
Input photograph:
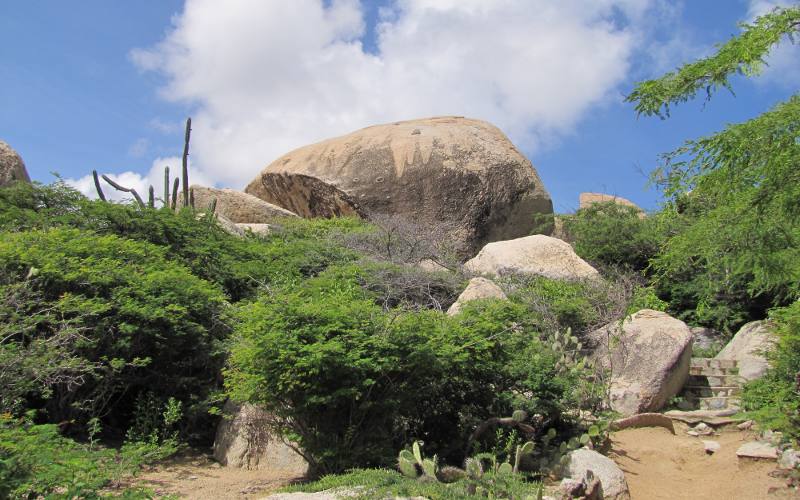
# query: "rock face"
{"type": "Point", "coordinates": [611, 477]}
{"type": "Point", "coordinates": [236, 206]}
{"type": "Point", "coordinates": [478, 288]}
{"type": "Point", "coordinates": [649, 359]}
{"type": "Point", "coordinates": [455, 172]}
{"type": "Point", "coordinates": [748, 347]}
{"type": "Point", "coordinates": [12, 168]}
{"type": "Point", "coordinates": [706, 338]}
{"type": "Point", "coordinates": [538, 254]}
{"type": "Point", "coordinates": [244, 442]}
{"type": "Point", "coordinates": [586, 200]}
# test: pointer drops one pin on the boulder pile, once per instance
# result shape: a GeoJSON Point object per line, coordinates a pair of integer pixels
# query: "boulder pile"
{"type": "Point", "coordinates": [12, 168]}
{"type": "Point", "coordinates": [461, 174]}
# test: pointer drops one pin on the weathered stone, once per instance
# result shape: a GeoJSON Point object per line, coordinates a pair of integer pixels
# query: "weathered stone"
{"type": "Point", "coordinates": [243, 440]}
{"type": "Point", "coordinates": [461, 173]}
{"type": "Point", "coordinates": [611, 477]}
{"type": "Point", "coordinates": [789, 459]}
{"type": "Point", "coordinates": [534, 255]}
{"type": "Point", "coordinates": [711, 447]}
{"type": "Point", "coordinates": [703, 429]}
{"type": "Point", "coordinates": [586, 200]}
{"type": "Point", "coordinates": [478, 288]}
{"type": "Point", "coordinates": [748, 347]}
{"type": "Point", "coordinates": [648, 356]}
{"type": "Point", "coordinates": [643, 420]}
{"type": "Point", "coordinates": [259, 229]}
{"type": "Point", "coordinates": [237, 206]}
{"type": "Point", "coordinates": [747, 424]}
{"type": "Point", "coordinates": [12, 168]}
{"type": "Point", "coordinates": [431, 266]}
{"type": "Point", "coordinates": [705, 338]}
{"type": "Point", "coordinates": [572, 488]}
{"type": "Point", "coordinates": [757, 450]}
{"type": "Point", "coordinates": [335, 494]}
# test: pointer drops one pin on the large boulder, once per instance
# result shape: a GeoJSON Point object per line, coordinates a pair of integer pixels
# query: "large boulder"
{"type": "Point", "coordinates": [236, 206]}
{"type": "Point", "coordinates": [603, 468]}
{"type": "Point", "coordinates": [538, 254]}
{"type": "Point", "coordinates": [748, 347]}
{"type": "Point", "coordinates": [649, 357]}
{"type": "Point", "coordinates": [12, 168]}
{"type": "Point", "coordinates": [244, 441]}
{"type": "Point", "coordinates": [455, 173]}
{"type": "Point", "coordinates": [478, 288]}
{"type": "Point", "coordinates": [586, 200]}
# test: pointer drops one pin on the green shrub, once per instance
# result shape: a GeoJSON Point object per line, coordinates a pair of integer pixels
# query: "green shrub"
{"type": "Point", "coordinates": [609, 234]}
{"type": "Point", "coordinates": [774, 400]}
{"type": "Point", "coordinates": [297, 249]}
{"type": "Point", "coordinates": [118, 318]}
{"type": "Point", "coordinates": [36, 462]}
{"type": "Point", "coordinates": [352, 383]}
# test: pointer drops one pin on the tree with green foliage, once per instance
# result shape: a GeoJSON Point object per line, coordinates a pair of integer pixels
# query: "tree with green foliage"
{"type": "Point", "coordinates": [733, 247]}
{"type": "Point", "coordinates": [733, 208]}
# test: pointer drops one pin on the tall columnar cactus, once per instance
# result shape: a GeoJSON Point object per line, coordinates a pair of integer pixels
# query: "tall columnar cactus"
{"type": "Point", "coordinates": [166, 186]}
{"type": "Point", "coordinates": [185, 163]}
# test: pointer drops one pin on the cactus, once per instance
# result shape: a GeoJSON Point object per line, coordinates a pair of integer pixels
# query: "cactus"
{"type": "Point", "coordinates": [166, 186]}
{"type": "Point", "coordinates": [175, 193]}
{"type": "Point", "coordinates": [519, 415]}
{"type": "Point", "coordinates": [525, 449]}
{"type": "Point", "coordinates": [97, 186]}
{"type": "Point", "coordinates": [505, 469]}
{"type": "Point", "coordinates": [429, 467]}
{"type": "Point", "coordinates": [151, 197]}
{"type": "Point", "coordinates": [474, 468]}
{"type": "Point", "coordinates": [407, 464]}
{"type": "Point", "coordinates": [185, 162]}
{"type": "Point", "coordinates": [125, 190]}
{"type": "Point", "coordinates": [415, 448]}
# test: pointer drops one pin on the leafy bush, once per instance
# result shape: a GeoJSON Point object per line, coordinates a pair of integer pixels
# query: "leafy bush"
{"type": "Point", "coordinates": [351, 383]}
{"type": "Point", "coordinates": [36, 462]}
{"type": "Point", "coordinates": [297, 249]}
{"type": "Point", "coordinates": [774, 400]}
{"type": "Point", "coordinates": [115, 315]}
{"type": "Point", "coordinates": [609, 234]}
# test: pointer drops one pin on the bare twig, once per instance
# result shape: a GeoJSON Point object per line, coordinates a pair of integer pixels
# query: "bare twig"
{"type": "Point", "coordinates": [125, 190]}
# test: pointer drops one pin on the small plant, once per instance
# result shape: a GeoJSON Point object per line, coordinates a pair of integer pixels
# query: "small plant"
{"type": "Point", "coordinates": [412, 464]}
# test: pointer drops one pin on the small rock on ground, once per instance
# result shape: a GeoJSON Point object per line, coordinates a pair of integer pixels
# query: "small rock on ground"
{"type": "Point", "coordinates": [757, 450]}
{"type": "Point", "coordinates": [711, 447]}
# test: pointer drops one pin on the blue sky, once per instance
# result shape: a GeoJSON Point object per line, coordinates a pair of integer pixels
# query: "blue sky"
{"type": "Point", "coordinates": [105, 85]}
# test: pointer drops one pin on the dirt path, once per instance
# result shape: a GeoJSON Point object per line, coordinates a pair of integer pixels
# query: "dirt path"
{"type": "Point", "coordinates": [198, 477]}
{"type": "Point", "coordinates": [660, 465]}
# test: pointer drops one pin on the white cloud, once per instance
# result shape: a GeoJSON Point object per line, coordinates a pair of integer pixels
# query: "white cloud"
{"type": "Point", "coordinates": [141, 183]}
{"type": "Point", "coordinates": [267, 77]}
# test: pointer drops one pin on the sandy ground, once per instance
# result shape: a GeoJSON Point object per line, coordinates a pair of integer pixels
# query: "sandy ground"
{"type": "Point", "coordinates": [660, 465]}
{"type": "Point", "coordinates": [198, 477]}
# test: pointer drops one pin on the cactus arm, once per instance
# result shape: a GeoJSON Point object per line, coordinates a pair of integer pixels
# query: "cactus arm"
{"type": "Point", "coordinates": [97, 186]}
{"type": "Point", "coordinates": [125, 190]}
{"type": "Point", "coordinates": [175, 193]}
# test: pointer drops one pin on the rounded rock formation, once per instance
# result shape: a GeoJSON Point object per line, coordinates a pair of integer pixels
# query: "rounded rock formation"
{"type": "Point", "coordinates": [586, 200]}
{"type": "Point", "coordinates": [12, 168]}
{"type": "Point", "coordinates": [461, 173]}
{"type": "Point", "coordinates": [749, 347]}
{"type": "Point", "coordinates": [537, 255]}
{"type": "Point", "coordinates": [236, 206]}
{"type": "Point", "coordinates": [648, 356]}
{"type": "Point", "coordinates": [478, 288]}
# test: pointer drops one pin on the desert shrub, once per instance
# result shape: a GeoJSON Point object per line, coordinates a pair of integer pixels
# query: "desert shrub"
{"type": "Point", "coordinates": [609, 234]}
{"type": "Point", "coordinates": [114, 315]}
{"type": "Point", "coordinates": [774, 400]}
{"type": "Point", "coordinates": [582, 305]}
{"type": "Point", "coordinates": [408, 286]}
{"type": "Point", "coordinates": [352, 383]}
{"type": "Point", "coordinates": [297, 248]}
{"type": "Point", "coordinates": [396, 239]}
{"type": "Point", "coordinates": [37, 462]}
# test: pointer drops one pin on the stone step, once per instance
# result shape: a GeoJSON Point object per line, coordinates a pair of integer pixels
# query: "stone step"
{"type": "Point", "coordinates": [714, 380]}
{"type": "Point", "coordinates": [712, 403]}
{"type": "Point", "coordinates": [698, 370]}
{"type": "Point", "coordinates": [706, 391]}
{"type": "Point", "coordinates": [713, 363]}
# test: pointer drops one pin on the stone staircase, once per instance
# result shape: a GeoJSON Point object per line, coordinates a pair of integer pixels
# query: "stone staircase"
{"type": "Point", "coordinates": [713, 384]}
